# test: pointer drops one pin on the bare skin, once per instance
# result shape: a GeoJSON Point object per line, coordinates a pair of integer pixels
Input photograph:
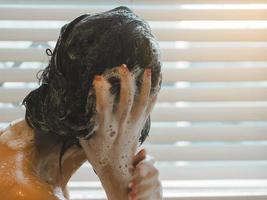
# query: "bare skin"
{"type": "Point", "coordinates": [145, 183]}
{"type": "Point", "coordinates": [117, 136]}
{"type": "Point", "coordinates": [29, 174]}
{"type": "Point", "coordinates": [26, 174]}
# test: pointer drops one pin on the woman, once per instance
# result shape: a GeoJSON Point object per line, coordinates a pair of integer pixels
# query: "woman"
{"type": "Point", "coordinates": [91, 107]}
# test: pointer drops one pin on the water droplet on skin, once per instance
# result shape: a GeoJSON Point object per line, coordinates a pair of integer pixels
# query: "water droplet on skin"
{"type": "Point", "coordinates": [120, 166]}
{"type": "Point", "coordinates": [20, 193]}
{"type": "Point", "coordinates": [110, 126]}
{"type": "Point", "coordinates": [126, 165]}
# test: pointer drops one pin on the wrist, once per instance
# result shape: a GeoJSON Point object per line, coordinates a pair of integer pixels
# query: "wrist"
{"type": "Point", "coordinates": [114, 183]}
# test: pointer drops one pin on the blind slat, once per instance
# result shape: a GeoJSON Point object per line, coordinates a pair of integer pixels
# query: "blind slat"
{"type": "Point", "coordinates": [175, 2]}
{"type": "Point", "coordinates": [156, 14]}
{"type": "Point", "coordinates": [222, 132]}
{"type": "Point", "coordinates": [204, 133]}
{"type": "Point", "coordinates": [206, 74]}
{"type": "Point", "coordinates": [168, 54]}
{"type": "Point", "coordinates": [170, 194]}
{"type": "Point", "coordinates": [209, 74]}
{"type": "Point", "coordinates": [210, 113]}
{"type": "Point", "coordinates": [162, 34]}
{"type": "Point", "coordinates": [214, 54]}
{"type": "Point", "coordinates": [207, 152]}
{"type": "Point", "coordinates": [171, 94]}
{"type": "Point", "coordinates": [192, 172]}
{"type": "Point", "coordinates": [225, 112]}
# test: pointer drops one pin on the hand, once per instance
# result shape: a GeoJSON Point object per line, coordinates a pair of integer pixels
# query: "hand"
{"type": "Point", "coordinates": [111, 149]}
{"type": "Point", "coordinates": [145, 183]}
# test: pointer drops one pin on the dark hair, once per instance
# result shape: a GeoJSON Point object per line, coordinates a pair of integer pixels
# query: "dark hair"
{"type": "Point", "coordinates": [64, 104]}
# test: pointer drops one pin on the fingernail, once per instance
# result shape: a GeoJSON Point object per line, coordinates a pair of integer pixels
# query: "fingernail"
{"type": "Point", "coordinates": [148, 72]}
{"type": "Point", "coordinates": [124, 68]}
{"type": "Point", "coordinates": [143, 152]}
{"type": "Point", "coordinates": [98, 77]}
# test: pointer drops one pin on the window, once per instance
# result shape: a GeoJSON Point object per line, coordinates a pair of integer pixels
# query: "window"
{"type": "Point", "coordinates": [209, 127]}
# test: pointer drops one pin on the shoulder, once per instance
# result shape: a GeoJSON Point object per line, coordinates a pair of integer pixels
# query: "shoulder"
{"type": "Point", "coordinates": [30, 188]}
{"type": "Point", "coordinates": [18, 135]}
{"type": "Point", "coordinates": [21, 192]}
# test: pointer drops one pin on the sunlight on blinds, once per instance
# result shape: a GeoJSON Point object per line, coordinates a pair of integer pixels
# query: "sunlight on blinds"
{"type": "Point", "coordinates": [209, 127]}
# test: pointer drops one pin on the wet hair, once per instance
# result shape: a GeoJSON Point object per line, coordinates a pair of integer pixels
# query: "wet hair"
{"type": "Point", "coordinates": [63, 106]}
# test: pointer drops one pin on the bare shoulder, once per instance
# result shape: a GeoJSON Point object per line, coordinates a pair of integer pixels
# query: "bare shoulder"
{"type": "Point", "coordinates": [18, 182]}
{"type": "Point", "coordinates": [21, 186]}
{"type": "Point", "coordinates": [14, 184]}
{"type": "Point", "coordinates": [22, 192]}
{"type": "Point", "coordinates": [18, 135]}
{"type": "Point", "coordinates": [25, 186]}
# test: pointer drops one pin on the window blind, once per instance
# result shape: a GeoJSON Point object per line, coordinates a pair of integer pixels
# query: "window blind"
{"type": "Point", "coordinates": [209, 126]}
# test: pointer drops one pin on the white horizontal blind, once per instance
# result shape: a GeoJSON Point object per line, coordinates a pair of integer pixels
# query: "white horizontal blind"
{"type": "Point", "coordinates": [209, 127]}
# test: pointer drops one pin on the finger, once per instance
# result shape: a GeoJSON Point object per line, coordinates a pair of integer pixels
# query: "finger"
{"type": "Point", "coordinates": [143, 169]}
{"type": "Point", "coordinates": [126, 93]}
{"type": "Point", "coordinates": [146, 189]}
{"type": "Point", "coordinates": [150, 161]}
{"type": "Point", "coordinates": [150, 106]}
{"type": "Point", "coordinates": [142, 101]}
{"type": "Point", "coordinates": [141, 155]}
{"type": "Point", "coordinates": [104, 101]}
{"type": "Point", "coordinates": [143, 178]}
{"type": "Point", "coordinates": [153, 97]}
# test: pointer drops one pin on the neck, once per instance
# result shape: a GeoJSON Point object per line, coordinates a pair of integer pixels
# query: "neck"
{"type": "Point", "coordinates": [46, 161]}
{"type": "Point", "coordinates": [48, 168]}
